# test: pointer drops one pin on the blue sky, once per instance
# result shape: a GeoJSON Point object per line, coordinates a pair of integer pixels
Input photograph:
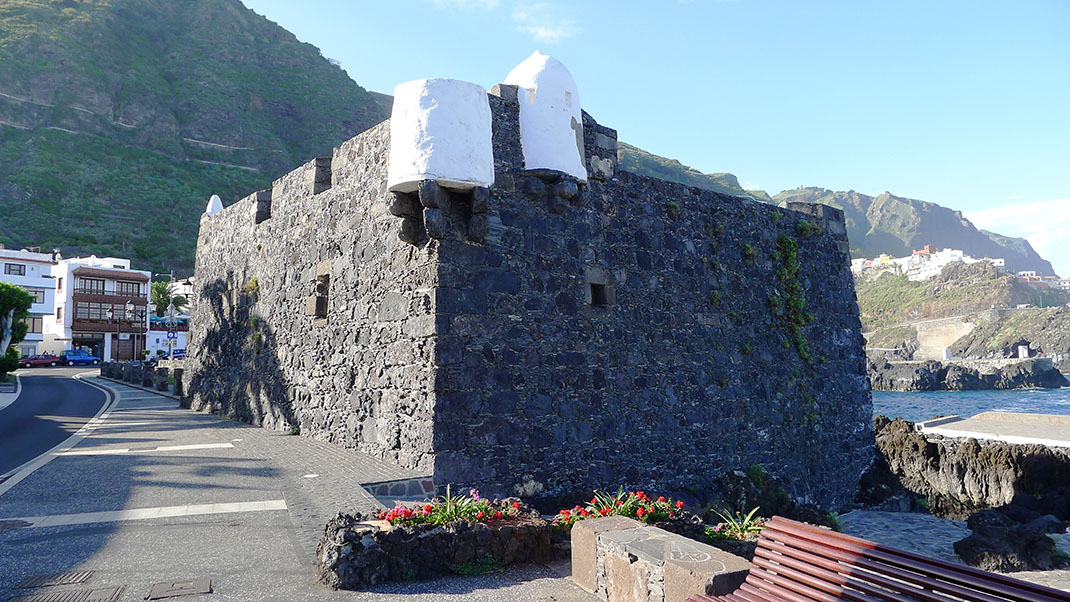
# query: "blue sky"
{"type": "Point", "coordinates": [965, 104]}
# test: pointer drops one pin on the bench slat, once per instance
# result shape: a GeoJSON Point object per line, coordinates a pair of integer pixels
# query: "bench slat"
{"type": "Point", "coordinates": [746, 596]}
{"type": "Point", "coordinates": [869, 583]}
{"type": "Point", "coordinates": [961, 581]}
{"type": "Point", "coordinates": [975, 579]}
{"type": "Point", "coordinates": [853, 561]}
{"type": "Point", "coordinates": [786, 589]}
{"type": "Point", "coordinates": [807, 585]}
{"type": "Point", "coordinates": [829, 581]}
{"type": "Point", "coordinates": [761, 595]}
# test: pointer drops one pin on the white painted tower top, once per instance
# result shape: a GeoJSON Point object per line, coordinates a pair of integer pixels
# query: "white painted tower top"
{"type": "Point", "coordinates": [214, 205]}
{"type": "Point", "coordinates": [551, 125]}
{"type": "Point", "coordinates": [440, 130]}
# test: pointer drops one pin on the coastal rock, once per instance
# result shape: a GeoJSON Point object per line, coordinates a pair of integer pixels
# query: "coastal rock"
{"type": "Point", "coordinates": [959, 477]}
{"type": "Point", "coordinates": [1006, 549]}
{"type": "Point", "coordinates": [966, 375]}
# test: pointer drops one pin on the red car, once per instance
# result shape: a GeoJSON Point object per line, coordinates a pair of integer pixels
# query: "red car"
{"type": "Point", "coordinates": [38, 360]}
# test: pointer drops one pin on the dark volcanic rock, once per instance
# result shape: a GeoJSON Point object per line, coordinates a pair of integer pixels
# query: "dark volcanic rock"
{"type": "Point", "coordinates": [1006, 549]}
{"type": "Point", "coordinates": [961, 476]}
{"type": "Point", "coordinates": [953, 376]}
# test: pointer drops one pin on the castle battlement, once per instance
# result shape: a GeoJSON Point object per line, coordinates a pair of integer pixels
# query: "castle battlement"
{"type": "Point", "coordinates": [538, 330]}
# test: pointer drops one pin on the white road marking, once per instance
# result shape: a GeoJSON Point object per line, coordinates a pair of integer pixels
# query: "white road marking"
{"type": "Point", "coordinates": [126, 450]}
{"type": "Point", "coordinates": [311, 476]}
{"type": "Point", "coordinates": [147, 513]}
{"type": "Point", "coordinates": [20, 473]}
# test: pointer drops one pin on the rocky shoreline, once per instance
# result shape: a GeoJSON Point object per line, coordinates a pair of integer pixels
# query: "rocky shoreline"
{"type": "Point", "coordinates": [958, 375]}
{"type": "Point", "coordinates": [1012, 496]}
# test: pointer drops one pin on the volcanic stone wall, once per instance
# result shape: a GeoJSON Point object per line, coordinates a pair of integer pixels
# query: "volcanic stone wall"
{"type": "Point", "coordinates": [362, 373]}
{"type": "Point", "coordinates": [630, 331]}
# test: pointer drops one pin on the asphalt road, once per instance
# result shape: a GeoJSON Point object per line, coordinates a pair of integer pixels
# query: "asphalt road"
{"type": "Point", "coordinates": [51, 407]}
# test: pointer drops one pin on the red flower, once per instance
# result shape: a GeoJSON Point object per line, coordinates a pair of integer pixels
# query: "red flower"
{"type": "Point", "coordinates": [640, 495]}
{"type": "Point", "coordinates": [661, 498]}
{"type": "Point", "coordinates": [565, 512]}
{"type": "Point", "coordinates": [620, 502]}
{"type": "Point", "coordinates": [640, 512]}
{"type": "Point", "coordinates": [604, 511]}
{"type": "Point", "coordinates": [428, 508]}
{"type": "Point", "coordinates": [593, 501]}
{"type": "Point", "coordinates": [584, 513]}
{"type": "Point", "coordinates": [497, 514]}
{"type": "Point", "coordinates": [516, 505]}
{"type": "Point", "coordinates": [679, 503]}
{"type": "Point", "coordinates": [479, 515]}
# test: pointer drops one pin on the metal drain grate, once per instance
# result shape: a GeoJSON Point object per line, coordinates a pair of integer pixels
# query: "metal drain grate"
{"type": "Point", "coordinates": [61, 579]}
{"type": "Point", "coordinates": [180, 588]}
{"type": "Point", "coordinates": [108, 594]}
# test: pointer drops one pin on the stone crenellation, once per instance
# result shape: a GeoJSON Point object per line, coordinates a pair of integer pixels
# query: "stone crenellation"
{"type": "Point", "coordinates": [540, 335]}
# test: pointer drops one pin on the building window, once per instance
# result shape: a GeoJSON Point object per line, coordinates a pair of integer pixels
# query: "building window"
{"type": "Point", "coordinates": [34, 324]}
{"type": "Point", "coordinates": [92, 286]}
{"type": "Point", "coordinates": [59, 285]}
{"type": "Point", "coordinates": [59, 314]}
{"type": "Point", "coordinates": [38, 294]}
{"type": "Point", "coordinates": [129, 289]}
{"type": "Point", "coordinates": [14, 269]}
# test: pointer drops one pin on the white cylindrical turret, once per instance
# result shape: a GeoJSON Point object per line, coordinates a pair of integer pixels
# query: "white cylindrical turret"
{"type": "Point", "coordinates": [440, 130]}
{"type": "Point", "coordinates": [551, 125]}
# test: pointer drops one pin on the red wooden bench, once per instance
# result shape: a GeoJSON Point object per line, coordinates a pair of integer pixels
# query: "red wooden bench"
{"type": "Point", "coordinates": [796, 562]}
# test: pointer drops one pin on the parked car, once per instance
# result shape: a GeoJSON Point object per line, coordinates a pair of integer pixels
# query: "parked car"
{"type": "Point", "coordinates": [178, 354]}
{"type": "Point", "coordinates": [39, 360]}
{"type": "Point", "coordinates": [77, 357]}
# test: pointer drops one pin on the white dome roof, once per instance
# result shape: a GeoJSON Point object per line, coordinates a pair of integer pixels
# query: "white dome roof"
{"type": "Point", "coordinates": [214, 205]}
{"type": "Point", "coordinates": [551, 124]}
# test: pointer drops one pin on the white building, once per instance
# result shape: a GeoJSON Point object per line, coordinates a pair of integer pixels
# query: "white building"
{"type": "Point", "coordinates": [86, 289]}
{"type": "Point", "coordinates": [32, 271]}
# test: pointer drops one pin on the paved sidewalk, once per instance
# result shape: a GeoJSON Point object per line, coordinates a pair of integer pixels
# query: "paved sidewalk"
{"type": "Point", "coordinates": [1009, 427]}
{"type": "Point", "coordinates": [155, 493]}
{"type": "Point", "coordinates": [9, 391]}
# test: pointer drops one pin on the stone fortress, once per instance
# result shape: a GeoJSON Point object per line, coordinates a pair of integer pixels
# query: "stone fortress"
{"type": "Point", "coordinates": [472, 289]}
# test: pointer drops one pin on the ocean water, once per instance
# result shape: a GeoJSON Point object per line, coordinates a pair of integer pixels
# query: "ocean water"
{"type": "Point", "coordinates": [922, 406]}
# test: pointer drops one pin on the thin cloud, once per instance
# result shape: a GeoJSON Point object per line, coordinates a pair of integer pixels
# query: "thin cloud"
{"type": "Point", "coordinates": [467, 4]}
{"type": "Point", "coordinates": [1045, 224]}
{"type": "Point", "coordinates": [541, 21]}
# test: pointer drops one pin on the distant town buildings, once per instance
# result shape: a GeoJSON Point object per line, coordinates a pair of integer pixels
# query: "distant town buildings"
{"type": "Point", "coordinates": [32, 270]}
{"type": "Point", "coordinates": [1039, 282]}
{"type": "Point", "coordinates": [921, 264]}
{"type": "Point", "coordinates": [101, 305]}
{"type": "Point", "coordinates": [96, 303]}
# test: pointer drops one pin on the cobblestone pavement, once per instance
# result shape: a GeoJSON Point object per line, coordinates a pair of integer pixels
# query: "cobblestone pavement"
{"type": "Point", "coordinates": [932, 536]}
{"type": "Point", "coordinates": [238, 504]}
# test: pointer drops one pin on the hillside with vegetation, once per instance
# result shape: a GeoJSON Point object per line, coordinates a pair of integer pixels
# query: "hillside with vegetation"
{"type": "Point", "coordinates": [639, 161]}
{"type": "Point", "coordinates": [891, 300]}
{"type": "Point", "coordinates": [119, 118]}
{"type": "Point", "coordinates": [895, 225]}
{"type": "Point", "coordinates": [1045, 330]}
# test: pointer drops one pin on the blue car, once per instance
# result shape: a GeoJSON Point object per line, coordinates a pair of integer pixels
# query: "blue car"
{"type": "Point", "coordinates": [77, 357]}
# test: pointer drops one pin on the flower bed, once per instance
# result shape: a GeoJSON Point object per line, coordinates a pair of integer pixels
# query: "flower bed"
{"type": "Point", "coordinates": [736, 534]}
{"type": "Point", "coordinates": [457, 534]}
{"type": "Point", "coordinates": [662, 512]}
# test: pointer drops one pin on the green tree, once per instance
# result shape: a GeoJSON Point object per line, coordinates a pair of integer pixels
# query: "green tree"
{"type": "Point", "coordinates": [15, 305]}
{"type": "Point", "coordinates": [163, 295]}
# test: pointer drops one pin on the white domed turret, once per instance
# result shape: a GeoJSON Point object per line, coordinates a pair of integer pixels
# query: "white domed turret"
{"type": "Point", "coordinates": [551, 125]}
{"type": "Point", "coordinates": [214, 205]}
{"type": "Point", "coordinates": [440, 130]}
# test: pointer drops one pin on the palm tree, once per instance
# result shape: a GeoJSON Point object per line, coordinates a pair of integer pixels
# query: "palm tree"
{"type": "Point", "coordinates": [162, 295]}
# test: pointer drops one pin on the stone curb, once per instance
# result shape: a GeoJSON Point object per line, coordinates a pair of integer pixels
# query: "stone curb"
{"type": "Point", "coordinates": [150, 390]}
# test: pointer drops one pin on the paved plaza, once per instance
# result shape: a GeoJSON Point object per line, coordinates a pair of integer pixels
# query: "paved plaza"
{"type": "Point", "coordinates": [156, 494]}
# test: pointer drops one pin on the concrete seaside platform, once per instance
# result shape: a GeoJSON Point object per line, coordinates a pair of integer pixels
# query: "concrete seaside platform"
{"type": "Point", "coordinates": [1010, 427]}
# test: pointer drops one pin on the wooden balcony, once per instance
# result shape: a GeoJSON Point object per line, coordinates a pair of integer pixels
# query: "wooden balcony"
{"type": "Point", "coordinates": [89, 325]}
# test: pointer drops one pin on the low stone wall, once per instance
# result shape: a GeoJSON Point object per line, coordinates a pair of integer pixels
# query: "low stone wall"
{"type": "Point", "coordinates": [357, 552]}
{"type": "Point", "coordinates": [621, 559]}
